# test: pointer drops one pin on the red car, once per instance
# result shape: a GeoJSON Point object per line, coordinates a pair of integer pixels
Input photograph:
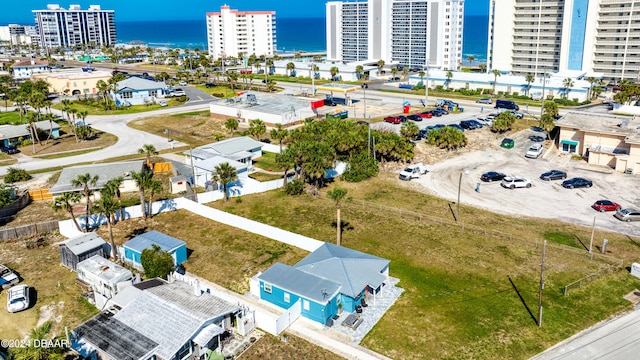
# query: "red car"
{"type": "Point", "coordinates": [393, 119]}
{"type": "Point", "coordinates": [606, 205]}
{"type": "Point", "coordinates": [426, 115]}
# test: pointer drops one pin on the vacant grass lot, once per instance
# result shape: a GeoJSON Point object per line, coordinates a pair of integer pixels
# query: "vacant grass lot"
{"type": "Point", "coordinates": [272, 347]}
{"type": "Point", "coordinates": [194, 128]}
{"type": "Point", "coordinates": [458, 301]}
{"type": "Point", "coordinates": [66, 145]}
{"type": "Point", "coordinates": [97, 108]}
{"type": "Point", "coordinates": [56, 297]}
{"type": "Point", "coordinates": [11, 118]}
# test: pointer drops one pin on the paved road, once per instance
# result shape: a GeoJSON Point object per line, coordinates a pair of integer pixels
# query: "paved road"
{"type": "Point", "coordinates": [129, 139]}
{"type": "Point", "coordinates": [617, 339]}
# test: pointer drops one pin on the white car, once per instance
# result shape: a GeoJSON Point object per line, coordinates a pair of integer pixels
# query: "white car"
{"type": "Point", "coordinates": [18, 298]}
{"type": "Point", "coordinates": [512, 182]}
{"type": "Point", "coordinates": [534, 151]}
{"type": "Point", "coordinates": [178, 92]}
{"type": "Point", "coordinates": [183, 83]}
{"type": "Point", "coordinates": [162, 103]}
{"type": "Point", "coordinates": [7, 277]}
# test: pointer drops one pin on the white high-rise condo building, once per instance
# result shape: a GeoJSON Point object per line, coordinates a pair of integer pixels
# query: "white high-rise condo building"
{"type": "Point", "coordinates": [59, 27]}
{"type": "Point", "coordinates": [408, 32]}
{"type": "Point", "coordinates": [233, 32]}
{"type": "Point", "coordinates": [589, 36]}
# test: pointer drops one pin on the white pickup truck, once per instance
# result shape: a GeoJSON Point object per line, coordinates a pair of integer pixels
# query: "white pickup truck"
{"type": "Point", "coordinates": [414, 171]}
{"type": "Point", "coordinates": [7, 277]}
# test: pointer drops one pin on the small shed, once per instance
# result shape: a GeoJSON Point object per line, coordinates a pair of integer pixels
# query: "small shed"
{"type": "Point", "coordinates": [178, 184]}
{"type": "Point", "coordinates": [80, 248]}
{"type": "Point", "coordinates": [134, 247]}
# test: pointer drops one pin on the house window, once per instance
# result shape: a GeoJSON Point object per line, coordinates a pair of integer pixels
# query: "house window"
{"type": "Point", "coordinates": [127, 95]}
{"type": "Point", "coordinates": [152, 93]}
{"type": "Point", "coordinates": [287, 297]}
{"type": "Point", "coordinates": [305, 305]}
{"type": "Point", "coordinates": [267, 288]}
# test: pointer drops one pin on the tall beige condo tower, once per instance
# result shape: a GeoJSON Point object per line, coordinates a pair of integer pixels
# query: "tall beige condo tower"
{"type": "Point", "coordinates": [587, 36]}
{"type": "Point", "coordinates": [408, 32]}
{"type": "Point", "coordinates": [67, 28]}
{"type": "Point", "coordinates": [233, 33]}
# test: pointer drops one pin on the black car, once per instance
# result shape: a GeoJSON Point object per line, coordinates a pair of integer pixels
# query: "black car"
{"type": "Point", "coordinates": [415, 117]}
{"type": "Point", "coordinates": [10, 149]}
{"type": "Point", "coordinates": [456, 126]}
{"type": "Point", "coordinates": [553, 175]}
{"type": "Point", "coordinates": [470, 124]}
{"type": "Point", "coordinates": [577, 183]}
{"type": "Point", "coordinates": [209, 85]}
{"type": "Point", "coordinates": [492, 176]}
{"type": "Point", "coordinates": [536, 138]}
{"type": "Point", "coordinates": [403, 118]}
{"type": "Point", "coordinates": [435, 112]}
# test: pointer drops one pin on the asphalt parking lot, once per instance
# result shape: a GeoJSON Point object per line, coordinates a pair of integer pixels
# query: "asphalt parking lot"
{"type": "Point", "coordinates": [545, 199]}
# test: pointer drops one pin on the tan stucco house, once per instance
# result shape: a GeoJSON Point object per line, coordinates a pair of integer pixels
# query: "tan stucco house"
{"type": "Point", "coordinates": [603, 139]}
{"type": "Point", "coordinates": [73, 82]}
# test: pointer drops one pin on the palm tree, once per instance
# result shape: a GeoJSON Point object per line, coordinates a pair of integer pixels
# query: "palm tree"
{"type": "Point", "coordinates": [143, 180]}
{"type": "Point", "coordinates": [591, 81]}
{"type": "Point", "coordinates": [103, 90]}
{"type": "Point", "coordinates": [113, 187]}
{"type": "Point", "coordinates": [278, 133]}
{"type": "Point", "coordinates": [529, 79]}
{"type": "Point", "coordinates": [224, 174]}
{"type": "Point", "coordinates": [334, 71]}
{"type": "Point", "coordinates": [65, 202]}
{"type": "Point", "coordinates": [449, 77]}
{"type": "Point", "coordinates": [291, 67]}
{"type": "Point", "coordinates": [421, 74]}
{"type": "Point", "coordinates": [380, 66]}
{"type": "Point", "coordinates": [483, 67]}
{"type": "Point", "coordinates": [155, 187]}
{"type": "Point", "coordinates": [394, 72]}
{"type": "Point", "coordinates": [107, 206]}
{"type": "Point", "coordinates": [359, 70]}
{"type": "Point", "coordinates": [231, 124]}
{"type": "Point", "coordinates": [409, 130]}
{"type": "Point", "coordinates": [568, 84]}
{"type": "Point", "coordinates": [85, 181]}
{"type": "Point", "coordinates": [337, 194]}
{"type": "Point", "coordinates": [149, 150]}
{"type": "Point", "coordinates": [73, 113]}
{"type": "Point", "coordinates": [405, 73]}
{"type": "Point", "coordinates": [35, 349]}
{"type": "Point", "coordinates": [495, 73]}
{"type": "Point", "coordinates": [257, 128]}
{"type": "Point", "coordinates": [285, 161]}
{"type": "Point", "coordinates": [471, 59]}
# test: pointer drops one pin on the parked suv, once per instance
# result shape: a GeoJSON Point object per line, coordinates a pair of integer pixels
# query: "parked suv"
{"type": "Point", "coordinates": [534, 151]}
{"type": "Point", "coordinates": [512, 182]}
{"type": "Point", "coordinates": [627, 214]}
{"type": "Point", "coordinates": [506, 104]}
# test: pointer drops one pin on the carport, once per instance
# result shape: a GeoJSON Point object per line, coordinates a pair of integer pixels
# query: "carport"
{"type": "Point", "coordinates": [344, 89]}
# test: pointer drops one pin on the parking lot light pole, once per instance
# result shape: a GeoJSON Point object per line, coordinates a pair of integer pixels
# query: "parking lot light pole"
{"type": "Point", "coordinates": [466, 172]}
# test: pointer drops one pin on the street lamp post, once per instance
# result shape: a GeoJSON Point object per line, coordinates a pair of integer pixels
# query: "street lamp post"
{"type": "Point", "coordinates": [466, 172]}
{"type": "Point", "coordinates": [364, 98]}
{"type": "Point", "coordinates": [544, 83]}
{"type": "Point", "coordinates": [426, 87]}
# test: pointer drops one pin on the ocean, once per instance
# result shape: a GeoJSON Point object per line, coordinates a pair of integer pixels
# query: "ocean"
{"type": "Point", "coordinates": [292, 34]}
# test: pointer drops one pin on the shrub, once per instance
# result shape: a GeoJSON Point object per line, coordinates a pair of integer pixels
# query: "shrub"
{"type": "Point", "coordinates": [182, 98]}
{"type": "Point", "coordinates": [360, 168]}
{"type": "Point", "coordinates": [294, 187]}
{"type": "Point", "coordinates": [15, 175]}
{"type": "Point", "coordinates": [515, 94]}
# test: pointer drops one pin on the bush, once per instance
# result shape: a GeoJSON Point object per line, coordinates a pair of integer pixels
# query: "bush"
{"type": "Point", "coordinates": [294, 187]}
{"type": "Point", "coordinates": [182, 98]}
{"type": "Point", "coordinates": [360, 168]}
{"type": "Point", "coordinates": [15, 175]}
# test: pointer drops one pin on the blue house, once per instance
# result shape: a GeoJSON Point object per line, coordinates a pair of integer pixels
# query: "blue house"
{"type": "Point", "coordinates": [137, 91]}
{"type": "Point", "coordinates": [133, 248]}
{"type": "Point", "coordinates": [329, 278]}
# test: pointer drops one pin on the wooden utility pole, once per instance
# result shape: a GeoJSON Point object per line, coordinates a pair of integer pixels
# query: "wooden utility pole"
{"type": "Point", "coordinates": [593, 230]}
{"type": "Point", "coordinates": [544, 248]}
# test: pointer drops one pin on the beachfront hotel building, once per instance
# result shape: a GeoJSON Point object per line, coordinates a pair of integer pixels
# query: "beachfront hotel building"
{"type": "Point", "coordinates": [408, 32]}
{"type": "Point", "coordinates": [69, 28]}
{"type": "Point", "coordinates": [232, 32]}
{"type": "Point", "coordinates": [588, 36]}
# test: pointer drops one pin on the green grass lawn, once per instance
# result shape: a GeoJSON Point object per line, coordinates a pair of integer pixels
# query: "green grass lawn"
{"type": "Point", "coordinates": [265, 177]}
{"type": "Point", "coordinates": [458, 301]}
{"type": "Point", "coordinates": [219, 91]}
{"type": "Point", "coordinates": [267, 162]}
{"type": "Point", "coordinates": [11, 118]}
{"type": "Point", "coordinates": [98, 109]}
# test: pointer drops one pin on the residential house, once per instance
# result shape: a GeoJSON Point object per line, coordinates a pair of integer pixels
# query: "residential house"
{"type": "Point", "coordinates": [14, 134]}
{"type": "Point", "coordinates": [105, 172]}
{"type": "Point", "coordinates": [602, 139]}
{"type": "Point", "coordinates": [134, 247]}
{"type": "Point", "coordinates": [23, 70]}
{"type": "Point", "coordinates": [80, 248]}
{"type": "Point", "coordinates": [330, 278]}
{"type": "Point", "coordinates": [243, 149]}
{"type": "Point", "coordinates": [161, 321]}
{"type": "Point", "coordinates": [104, 277]}
{"type": "Point", "coordinates": [205, 169]}
{"type": "Point", "coordinates": [74, 81]}
{"type": "Point", "coordinates": [137, 91]}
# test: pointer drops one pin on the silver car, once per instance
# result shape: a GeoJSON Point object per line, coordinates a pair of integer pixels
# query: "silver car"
{"type": "Point", "coordinates": [627, 214]}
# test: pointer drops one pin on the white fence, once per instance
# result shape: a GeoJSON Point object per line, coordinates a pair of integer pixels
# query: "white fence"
{"type": "Point", "coordinates": [288, 317]}
{"type": "Point", "coordinates": [68, 229]}
{"type": "Point", "coordinates": [245, 186]}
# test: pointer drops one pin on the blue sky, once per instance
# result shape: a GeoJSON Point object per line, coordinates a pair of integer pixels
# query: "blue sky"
{"type": "Point", "coordinates": [20, 11]}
